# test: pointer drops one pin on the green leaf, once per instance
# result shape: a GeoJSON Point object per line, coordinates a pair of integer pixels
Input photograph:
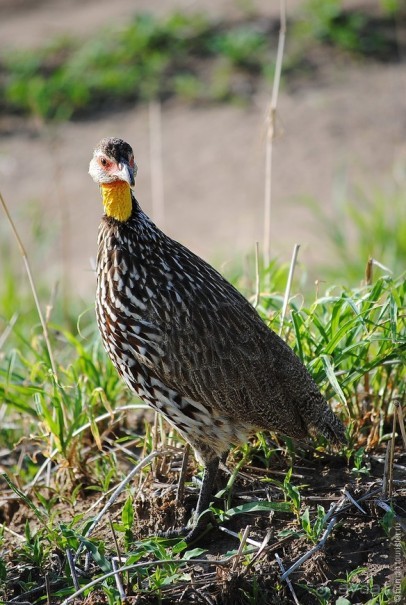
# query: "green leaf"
{"type": "Point", "coordinates": [332, 378]}
{"type": "Point", "coordinates": [305, 520]}
{"type": "Point", "coordinates": [127, 514]}
{"type": "Point", "coordinates": [98, 557]}
{"type": "Point", "coordinates": [39, 514]}
{"type": "Point", "coordinates": [258, 507]}
{"type": "Point", "coordinates": [297, 324]}
{"type": "Point", "coordinates": [195, 552]}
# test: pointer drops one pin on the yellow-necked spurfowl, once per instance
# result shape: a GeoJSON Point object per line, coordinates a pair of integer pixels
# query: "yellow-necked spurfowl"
{"type": "Point", "coordinates": [186, 341]}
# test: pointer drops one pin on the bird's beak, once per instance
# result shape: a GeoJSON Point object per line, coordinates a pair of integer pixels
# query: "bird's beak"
{"type": "Point", "coordinates": [126, 173]}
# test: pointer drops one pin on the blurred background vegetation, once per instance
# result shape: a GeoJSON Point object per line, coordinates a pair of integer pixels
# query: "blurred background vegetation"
{"type": "Point", "coordinates": [190, 56]}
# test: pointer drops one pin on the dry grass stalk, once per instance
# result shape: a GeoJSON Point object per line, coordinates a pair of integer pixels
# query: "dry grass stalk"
{"type": "Point", "coordinates": [113, 533]}
{"type": "Point", "coordinates": [369, 271]}
{"type": "Point", "coordinates": [260, 551]}
{"type": "Point", "coordinates": [117, 578]}
{"type": "Point", "coordinates": [386, 471]}
{"type": "Point", "coordinates": [156, 161]}
{"type": "Point", "coordinates": [154, 466]}
{"type": "Point", "coordinates": [398, 408]}
{"type": "Point", "coordinates": [392, 456]}
{"type": "Point", "coordinates": [180, 490]}
{"type": "Point", "coordinates": [363, 498]}
{"type": "Point", "coordinates": [270, 134]}
{"type": "Point", "coordinates": [48, 588]}
{"type": "Point", "coordinates": [5, 529]}
{"type": "Point", "coordinates": [243, 542]}
{"type": "Point", "coordinates": [229, 532]}
{"type": "Point", "coordinates": [32, 285]}
{"type": "Point", "coordinates": [351, 499]}
{"type": "Point", "coordinates": [257, 278]}
{"type": "Point", "coordinates": [64, 208]}
{"type": "Point", "coordinates": [71, 563]}
{"type": "Point", "coordinates": [288, 582]}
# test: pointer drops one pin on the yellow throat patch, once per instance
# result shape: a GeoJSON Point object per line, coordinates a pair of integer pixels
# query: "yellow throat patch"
{"type": "Point", "coordinates": [117, 200]}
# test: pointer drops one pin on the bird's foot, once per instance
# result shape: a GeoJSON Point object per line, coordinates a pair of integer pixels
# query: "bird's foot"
{"type": "Point", "coordinates": [190, 533]}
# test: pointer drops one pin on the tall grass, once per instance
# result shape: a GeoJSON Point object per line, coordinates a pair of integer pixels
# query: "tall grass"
{"type": "Point", "coordinates": [360, 226]}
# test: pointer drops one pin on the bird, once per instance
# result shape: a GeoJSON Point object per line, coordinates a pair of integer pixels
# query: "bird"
{"type": "Point", "coordinates": [187, 342]}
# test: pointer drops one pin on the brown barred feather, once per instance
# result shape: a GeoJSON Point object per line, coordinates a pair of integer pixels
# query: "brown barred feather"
{"type": "Point", "coordinates": [191, 346]}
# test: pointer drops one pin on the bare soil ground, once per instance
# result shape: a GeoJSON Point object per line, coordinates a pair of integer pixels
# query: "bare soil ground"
{"type": "Point", "coordinates": [358, 540]}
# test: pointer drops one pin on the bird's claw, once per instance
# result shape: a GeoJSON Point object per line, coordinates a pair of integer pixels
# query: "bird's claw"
{"type": "Point", "coordinates": [174, 533]}
{"type": "Point", "coordinates": [187, 534]}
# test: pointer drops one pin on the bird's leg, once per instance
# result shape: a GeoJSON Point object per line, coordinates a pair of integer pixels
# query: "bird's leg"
{"type": "Point", "coordinates": [199, 523]}
{"type": "Point", "coordinates": [206, 491]}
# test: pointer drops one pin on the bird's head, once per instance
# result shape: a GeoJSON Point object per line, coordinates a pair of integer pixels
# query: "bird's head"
{"type": "Point", "coordinates": [113, 167]}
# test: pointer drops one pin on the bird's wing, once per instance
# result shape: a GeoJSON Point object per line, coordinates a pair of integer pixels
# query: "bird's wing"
{"type": "Point", "coordinates": [215, 350]}
{"type": "Point", "coordinates": [199, 336]}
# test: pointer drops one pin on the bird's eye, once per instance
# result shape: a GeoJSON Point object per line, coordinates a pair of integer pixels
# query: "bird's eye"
{"type": "Point", "coordinates": [103, 162]}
